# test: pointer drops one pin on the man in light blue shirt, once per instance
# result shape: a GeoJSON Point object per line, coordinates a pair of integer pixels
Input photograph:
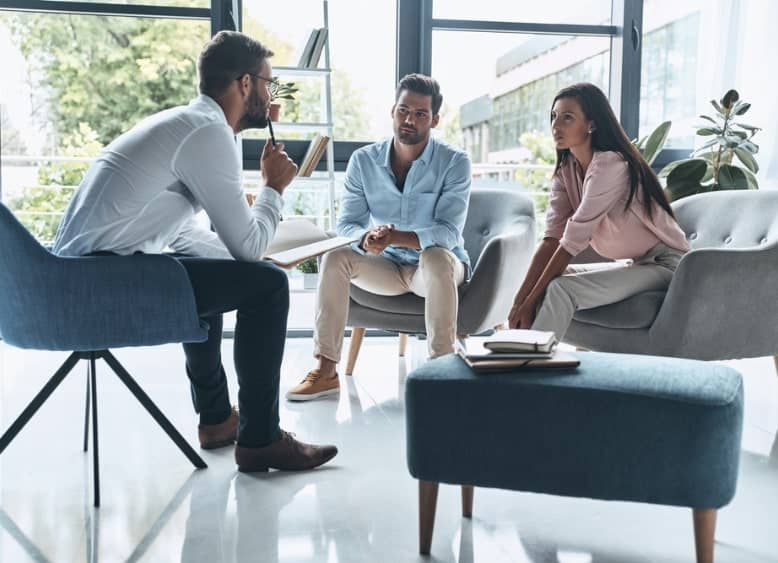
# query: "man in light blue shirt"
{"type": "Point", "coordinates": [416, 190]}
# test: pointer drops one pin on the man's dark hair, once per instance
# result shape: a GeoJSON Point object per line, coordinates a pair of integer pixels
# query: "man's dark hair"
{"type": "Point", "coordinates": [227, 56]}
{"type": "Point", "coordinates": [421, 84]}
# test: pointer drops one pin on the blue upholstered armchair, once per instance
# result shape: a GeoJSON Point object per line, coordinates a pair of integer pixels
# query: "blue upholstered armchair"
{"type": "Point", "coordinates": [722, 303]}
{"type": "Point", "coordinates": [86, 306]}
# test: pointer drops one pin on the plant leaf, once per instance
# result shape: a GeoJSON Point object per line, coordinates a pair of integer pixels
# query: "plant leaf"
{"type": "Point", "coordinates": [732, 178]}
{"type": "Point", "coordinates": [743, 109]}
{"type": "Point", "coordinates": [753, 183]}
{"type": "Point", "coordinates": [747, 159]}
{"type": "Point", "coordinates": [656, 140]}
{"type": "Point", "coordinates": [706, 131]}
{"type": "Point", "coordinates": [709, 119]}
{"type": "Point", "coordinates": [747, 126]}
{"type": "Point", "coordinates": [691, 170]}
{"type": "Point", "coordinates": [716, 105]}
{"type": "Point", "coordinates": [750, 146]}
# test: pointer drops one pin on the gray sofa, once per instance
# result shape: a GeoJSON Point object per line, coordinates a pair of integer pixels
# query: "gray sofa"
{"type": "Point", "coordinates": [723, 300]}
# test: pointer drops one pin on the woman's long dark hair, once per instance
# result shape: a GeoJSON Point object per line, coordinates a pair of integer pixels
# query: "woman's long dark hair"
{"type": "Point", "coordinates": [607, 135]}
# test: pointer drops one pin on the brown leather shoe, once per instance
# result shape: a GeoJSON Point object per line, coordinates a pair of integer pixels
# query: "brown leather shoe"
{"type": "Point", "coordinates": [219, 435]}
{"type": "Point", "coordinates": [285, 453]}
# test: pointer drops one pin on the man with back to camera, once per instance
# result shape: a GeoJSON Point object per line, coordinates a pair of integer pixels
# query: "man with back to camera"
{"type": "Point", "coordinates": [141, 195]}
{"type": "Point", "coordinates": [416, 189]}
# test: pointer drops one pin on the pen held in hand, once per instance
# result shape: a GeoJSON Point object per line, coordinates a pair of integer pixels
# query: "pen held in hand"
{"type": "Point", "coordinates": [270, 127]}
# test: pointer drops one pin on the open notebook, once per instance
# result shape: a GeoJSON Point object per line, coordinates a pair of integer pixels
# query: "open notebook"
{"type": "Point", "coordinates": [297, 240]}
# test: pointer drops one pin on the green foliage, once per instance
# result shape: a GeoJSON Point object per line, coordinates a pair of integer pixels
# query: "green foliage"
{"type": "Point", "coordinates": [42, 206]}
{"type": "Point", "coordinates": [651, 145]}
{"type": "Point", "coordinates": [310, 266]}
{"type": "Point", "coordinates": [282, 90]}
{"type": "Point", "coordinates": [714, 165]}
{"type": "Point", "coordinates": [541, 146]}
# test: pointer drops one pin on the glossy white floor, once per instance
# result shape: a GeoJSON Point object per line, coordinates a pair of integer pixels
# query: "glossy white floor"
{"type": "Point", "coordinates": [361, 508]}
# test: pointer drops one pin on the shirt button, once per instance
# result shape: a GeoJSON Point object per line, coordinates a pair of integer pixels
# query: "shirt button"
{"type": "Point", "coordinates": [692, 236]}
{"type": "Point", "coordinates": [763, 240]}
{"type": "Point", "coordinates": [485, 232]}
{"type": "Point", "coordinates": [728, 240]}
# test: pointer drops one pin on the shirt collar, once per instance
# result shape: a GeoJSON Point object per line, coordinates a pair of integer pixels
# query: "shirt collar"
{"type": "Point", "coordinates": [386, 152]}
{"type": "Point", "coordinates": [211, 103]}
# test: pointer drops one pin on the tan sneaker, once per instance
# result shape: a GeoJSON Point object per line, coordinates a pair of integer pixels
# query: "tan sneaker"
{"type": "Point", "coordinates": [313, 387]}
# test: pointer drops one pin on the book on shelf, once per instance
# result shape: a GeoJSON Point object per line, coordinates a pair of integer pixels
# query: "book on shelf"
{"type": "Point", "coordinates": [297, 240]}
{"type": "Point", "coordinates": [305, 55]}
{"type": "Point", "coordinates": [316, 149]}
{"type": "Point", "coordinates": [318, 47]}
{"type": "Point", "coordinates": [311, 53]}
{"type": "Point", "coordinates": [521, 340]}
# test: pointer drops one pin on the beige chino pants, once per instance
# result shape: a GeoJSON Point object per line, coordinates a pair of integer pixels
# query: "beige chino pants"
{"type": "Point", "coordinates": [436, 278]}
{"type": "Point", "coordinates": [586, 286]}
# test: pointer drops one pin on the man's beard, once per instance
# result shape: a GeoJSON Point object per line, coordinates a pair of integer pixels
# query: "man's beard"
{"type": "Point", "coordinates": [256, 114]}
{"type": "Point", "coordinates": [409, 138]}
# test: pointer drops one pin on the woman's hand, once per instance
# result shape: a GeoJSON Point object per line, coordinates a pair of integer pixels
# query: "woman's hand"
{"type": "Point", "coordinates": [522, 316]}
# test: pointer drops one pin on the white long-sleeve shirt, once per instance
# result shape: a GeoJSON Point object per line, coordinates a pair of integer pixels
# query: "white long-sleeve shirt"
{"type": "Point", "coordinates": [142, 193]}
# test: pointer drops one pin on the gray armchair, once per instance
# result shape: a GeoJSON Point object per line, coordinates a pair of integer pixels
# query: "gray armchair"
{"type": "Point", "coordinates": [499, 237]}
{"type": "Point", "coordinates": [723, 300]}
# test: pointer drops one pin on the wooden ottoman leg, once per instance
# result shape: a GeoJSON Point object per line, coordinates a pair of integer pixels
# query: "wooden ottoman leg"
{"type": "Point", "coordinates": [403, 344]}
{"type": "Point", "coordinates": [704, 531]}
{"type": "Point", "coordinates": [775, 359]}
{"type": "Point", "coordinates": [357, 333]}
{"type": "Point", "coordinates": [467, 501]}
{"type": "Point", "coordinates": [428, 499]}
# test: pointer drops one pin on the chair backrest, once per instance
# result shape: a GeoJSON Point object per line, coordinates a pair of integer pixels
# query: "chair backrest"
{"type": "Point", "coordinates": [493, 211]}
{"type": "Point", "coordinates": [729, 218]}
{"type": "Point", "coordinates": [22, 260]}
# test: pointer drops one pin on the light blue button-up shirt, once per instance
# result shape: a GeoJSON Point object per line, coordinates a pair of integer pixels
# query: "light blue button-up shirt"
{"type": "Point", "coordinates": [433, 203]}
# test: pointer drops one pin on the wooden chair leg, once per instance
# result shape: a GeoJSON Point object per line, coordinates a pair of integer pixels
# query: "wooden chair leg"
{"type": "Point", "coordinates": [467, 501]}
{"type": "Point", "coordinates": [357, 334]}
{"type": "Point", "coordinates": [428, 499]}
{"type": "Point", "coordinates": [403, 344]}
{"type": "Point", "coordinates": [704, 532]}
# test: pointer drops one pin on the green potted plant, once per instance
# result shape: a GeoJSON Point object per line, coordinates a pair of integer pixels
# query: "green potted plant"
{"type": "Point", "coordinates": [280, 91]}
{"type": "Point", "coordinates": [724, 162]}
{"type": "Point", "coordinates": [310, 270]}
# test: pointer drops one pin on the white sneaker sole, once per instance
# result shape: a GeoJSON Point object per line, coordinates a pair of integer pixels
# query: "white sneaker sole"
{"type": "Point", "coordinates": [311, 396]}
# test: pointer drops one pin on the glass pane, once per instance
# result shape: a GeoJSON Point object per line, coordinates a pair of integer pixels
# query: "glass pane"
{"type": "Point", "coordinates": [695, 51]}
{"type": "Point", "coordinates": [75, 82]}
{"type": "Point", "coordinates": [362, 87]}
{"type": "Point", "coordinates": [175, 3]}
{"type": "Point", "coordinates": [497, 99]}
{"type": "Point", "coordinates": [592, 12]}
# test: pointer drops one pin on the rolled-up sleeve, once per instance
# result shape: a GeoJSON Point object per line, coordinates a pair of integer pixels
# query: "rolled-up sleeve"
{"type": "Point", "coordinates": [606, 185]}
{"type": "Point", "coordinates": [354, 210]}
{"type": "Point", "coordinates": [451, 207]}
{"type": "Point", "coordinates": [559, 209]}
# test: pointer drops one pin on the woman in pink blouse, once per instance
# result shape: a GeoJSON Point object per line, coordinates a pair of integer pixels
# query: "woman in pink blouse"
{"type": "Point", "coordinates": [603, 194]}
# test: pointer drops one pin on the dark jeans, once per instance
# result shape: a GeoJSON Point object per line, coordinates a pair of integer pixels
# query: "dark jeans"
{"type": "Point", "coordinates": [260, 293]}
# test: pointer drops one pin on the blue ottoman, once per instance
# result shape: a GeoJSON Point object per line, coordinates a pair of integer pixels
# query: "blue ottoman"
{"type": "Point", "coordinates": [619, 427]}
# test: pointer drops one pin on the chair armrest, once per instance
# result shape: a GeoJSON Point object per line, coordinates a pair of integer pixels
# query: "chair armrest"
{"type": "Point", "coordinates": [487, 299]}
{"type": "Point", "coordinates": [721, 304]}
{"type": "Point", "coordinates": [99, 302]}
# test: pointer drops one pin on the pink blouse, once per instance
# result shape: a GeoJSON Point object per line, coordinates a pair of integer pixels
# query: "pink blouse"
{"type": "Point", "coordinates": [592, 211]}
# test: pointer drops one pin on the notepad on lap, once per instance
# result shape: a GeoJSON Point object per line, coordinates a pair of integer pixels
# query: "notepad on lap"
{"type": "Point", "coordinates": [297, 240]}
{"type": "Point", "coordinates": [521, 340]}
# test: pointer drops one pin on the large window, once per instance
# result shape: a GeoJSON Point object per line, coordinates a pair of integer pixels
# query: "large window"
{"type": "Point", "coordinates": [73, 83]}
{"type": "Point", "coordinates": [549, 11]}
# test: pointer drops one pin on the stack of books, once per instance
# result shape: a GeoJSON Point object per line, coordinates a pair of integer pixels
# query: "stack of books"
{"type": "Point", "coordinates": [509, 350]}
{"type": "Point", "coordinates": [311, 53]}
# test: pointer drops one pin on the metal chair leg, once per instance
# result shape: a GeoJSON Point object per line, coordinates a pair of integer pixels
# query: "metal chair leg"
{"type": "Point", "coordinates": [153, 410]}
{"type": "Point", "coordinates": [37, 401]}
{"type": "Point", "coordinates": [86, 410]}
{"type": "Point", "coordinates": [95, 449]}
